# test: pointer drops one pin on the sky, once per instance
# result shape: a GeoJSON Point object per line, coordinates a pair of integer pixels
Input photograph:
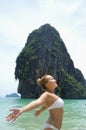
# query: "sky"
{"type": "Point", "coordinates": [18, 18]}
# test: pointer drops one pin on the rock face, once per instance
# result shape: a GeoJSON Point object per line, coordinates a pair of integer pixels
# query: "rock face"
{"type": "Point", "coordinates": [46, 53]}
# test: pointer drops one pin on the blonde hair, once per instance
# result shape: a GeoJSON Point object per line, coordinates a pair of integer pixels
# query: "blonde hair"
{"type": "Point", "coordinates": [42, 81]}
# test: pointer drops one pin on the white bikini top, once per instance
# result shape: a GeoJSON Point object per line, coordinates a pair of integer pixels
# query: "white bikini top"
{"type": "Point", "coordinates": [57, 104]}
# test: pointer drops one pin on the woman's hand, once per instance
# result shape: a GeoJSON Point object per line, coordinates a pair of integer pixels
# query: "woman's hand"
{"type": "Point", "coordinates": [37, 113]}
{"type": "Point", "coordinates": [16, 112]}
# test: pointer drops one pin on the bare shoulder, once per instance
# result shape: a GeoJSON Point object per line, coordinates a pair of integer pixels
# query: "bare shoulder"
{"type": "Point", "coordinates": [43, 98]}
{"type": "Point", "coordinates": [46, 94]}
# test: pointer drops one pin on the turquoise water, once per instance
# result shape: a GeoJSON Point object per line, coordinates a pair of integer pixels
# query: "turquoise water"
{"type": "Point", "coordinates": [74, 115]}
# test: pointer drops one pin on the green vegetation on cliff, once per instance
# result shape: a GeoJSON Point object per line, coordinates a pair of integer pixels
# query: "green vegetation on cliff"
{"type": "Point", "coordinates": [46, 53]}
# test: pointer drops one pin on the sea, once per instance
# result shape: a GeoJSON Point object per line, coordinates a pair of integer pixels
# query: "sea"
{"type": "Point", "coordinates": [74, 115]}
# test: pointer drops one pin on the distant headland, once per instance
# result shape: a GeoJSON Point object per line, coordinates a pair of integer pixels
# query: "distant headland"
{"type": "Point", "coordinates": [12, 95]}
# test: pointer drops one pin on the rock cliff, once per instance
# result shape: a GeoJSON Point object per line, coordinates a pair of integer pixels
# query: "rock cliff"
{"type": "Point", "coordinates": [46, 53]}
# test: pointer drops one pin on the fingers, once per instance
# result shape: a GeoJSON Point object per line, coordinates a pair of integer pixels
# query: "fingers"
{"type": "Point", "coordinates": [11, 117]}
{"type": "Point", "coordinates": [36, 113]}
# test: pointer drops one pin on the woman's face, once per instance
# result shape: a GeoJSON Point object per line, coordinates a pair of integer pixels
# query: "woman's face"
{"type": "Point", "coordinates": [51, 82]}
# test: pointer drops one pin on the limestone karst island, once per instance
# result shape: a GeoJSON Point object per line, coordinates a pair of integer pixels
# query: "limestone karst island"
{"type": "Point", "coordinates": [45, 53]}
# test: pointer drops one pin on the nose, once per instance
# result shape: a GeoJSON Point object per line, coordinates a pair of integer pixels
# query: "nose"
{"type": "Point", "coordinates": [54, 80]}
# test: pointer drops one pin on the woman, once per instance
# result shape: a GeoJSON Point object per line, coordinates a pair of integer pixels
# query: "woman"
{"type": "Point", "coordinates": [47, 100]}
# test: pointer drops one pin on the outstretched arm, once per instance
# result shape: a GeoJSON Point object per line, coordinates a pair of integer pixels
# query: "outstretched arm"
{"type": "Point", "coordinates": [16, 112]}
{"type": "Point", "coordinates": [34, 104]}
